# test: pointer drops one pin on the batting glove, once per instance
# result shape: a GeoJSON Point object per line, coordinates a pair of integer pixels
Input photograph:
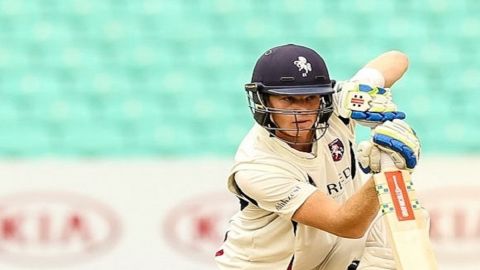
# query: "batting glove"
{"type": "Point", "coordinates": [395, 138]}
{"type": "Point", "coordinates": [368, 105]}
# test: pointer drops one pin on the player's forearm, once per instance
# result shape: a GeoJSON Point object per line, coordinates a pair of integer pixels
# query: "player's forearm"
{"type": "Point", "coordinates": [349, 220]}
{"type": "Point", "coordinates": [392, 65]}
{"type": "Point", "coordinates": [358, 212]}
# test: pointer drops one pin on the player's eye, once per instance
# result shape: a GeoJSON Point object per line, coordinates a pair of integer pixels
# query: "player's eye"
{"type": "Point", "coordinates": [287, 99]}
{"type": "Point", "coordinates": [312, 100]}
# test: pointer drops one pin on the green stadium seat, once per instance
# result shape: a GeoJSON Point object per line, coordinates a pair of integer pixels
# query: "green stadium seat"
{"type": "Point", "coordinates": [165, 78]}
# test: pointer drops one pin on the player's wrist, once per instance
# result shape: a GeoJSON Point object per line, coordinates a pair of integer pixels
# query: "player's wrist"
{"type": "Point", "coordinates": [369, 76]}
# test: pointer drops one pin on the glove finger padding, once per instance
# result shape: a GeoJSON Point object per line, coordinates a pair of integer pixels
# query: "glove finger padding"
{"type": "Point", "coordinates": [366, 104]}
{"type": "Point", "coordinates": [368, 156]}
{"type": "Point", "coordinates": [398, 140]}
{"type": "Point", "coordinates": [370, 159]}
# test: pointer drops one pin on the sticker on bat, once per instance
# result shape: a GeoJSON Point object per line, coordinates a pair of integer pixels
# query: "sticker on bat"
{"type": "Point", "coordinates": [399, 194]}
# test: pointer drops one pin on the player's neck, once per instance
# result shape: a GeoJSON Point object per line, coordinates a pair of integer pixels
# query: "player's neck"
{"type": "Point", "coordinates": [302, 144]}
{"type": "Point", "coordinates": [307, 148]}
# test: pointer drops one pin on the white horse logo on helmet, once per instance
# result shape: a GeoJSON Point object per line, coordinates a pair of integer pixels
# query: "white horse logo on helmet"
{"type": "Point", "coordinates": [302, 64]}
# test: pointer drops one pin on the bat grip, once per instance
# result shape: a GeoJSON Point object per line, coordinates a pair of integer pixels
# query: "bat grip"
{"type": "Point", "coordinates": [386, 162]}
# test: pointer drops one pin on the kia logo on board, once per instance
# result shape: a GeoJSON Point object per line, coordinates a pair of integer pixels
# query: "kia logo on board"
{"type": "Point", "coordinates": [196, 227]}
{"type": "Point", "coordinates": [455, 223]}
{"type": "Point", "coordinates": [54, 228]}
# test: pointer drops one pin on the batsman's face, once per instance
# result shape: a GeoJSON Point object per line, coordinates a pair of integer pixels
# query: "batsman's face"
{"type": "Point", "coordinates": [306, 111]}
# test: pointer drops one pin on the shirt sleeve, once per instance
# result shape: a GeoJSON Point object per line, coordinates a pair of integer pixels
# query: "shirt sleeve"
{"type": "Point", "coordinates": [273, 192]}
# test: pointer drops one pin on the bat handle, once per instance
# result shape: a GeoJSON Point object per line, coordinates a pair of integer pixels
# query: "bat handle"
{"type": "Point", "coordinates": [386, 162]}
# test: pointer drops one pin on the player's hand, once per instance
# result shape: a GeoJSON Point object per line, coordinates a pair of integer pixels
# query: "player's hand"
{"type": "Point", "coordinates": [368, 105]}
{"type": "Point", "coordinates": [395, 138]}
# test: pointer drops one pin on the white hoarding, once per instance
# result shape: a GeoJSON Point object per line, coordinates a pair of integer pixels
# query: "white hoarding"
{"type": "Point", "coordinates": [172, 214]}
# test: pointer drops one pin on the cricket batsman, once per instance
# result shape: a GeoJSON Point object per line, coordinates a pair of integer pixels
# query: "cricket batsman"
{"type": "Point", "coordinates": [303, 205]}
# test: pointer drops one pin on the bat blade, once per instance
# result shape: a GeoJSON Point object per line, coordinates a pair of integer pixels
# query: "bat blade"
{"type": "Point", "coordinates": [407, 228]}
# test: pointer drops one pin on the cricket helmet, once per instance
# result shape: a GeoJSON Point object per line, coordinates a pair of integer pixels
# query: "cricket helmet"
{"type": "Point", "coordinates": [290, 70]}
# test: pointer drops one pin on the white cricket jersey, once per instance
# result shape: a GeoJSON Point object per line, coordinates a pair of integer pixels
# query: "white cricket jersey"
{"type": "Point", "coordinates": [272, 181]}
{"type": "Point", "coordinates": [275, 180]}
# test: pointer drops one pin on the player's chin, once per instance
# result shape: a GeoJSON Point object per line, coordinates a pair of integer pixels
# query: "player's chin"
{"type": "Point", "coordinates": [298, 132]}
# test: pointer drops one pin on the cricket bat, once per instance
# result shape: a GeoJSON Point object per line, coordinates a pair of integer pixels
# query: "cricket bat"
{"type": "Point", "coordinates": [407, 230]}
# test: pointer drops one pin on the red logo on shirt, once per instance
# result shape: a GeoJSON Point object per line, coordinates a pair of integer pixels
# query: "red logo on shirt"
{"type": "Point", "coordinates": [337, 149]}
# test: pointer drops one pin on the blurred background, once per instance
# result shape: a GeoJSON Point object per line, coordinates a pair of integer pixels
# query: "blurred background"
{"type": "Point", "coordinates": [119, 119]}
